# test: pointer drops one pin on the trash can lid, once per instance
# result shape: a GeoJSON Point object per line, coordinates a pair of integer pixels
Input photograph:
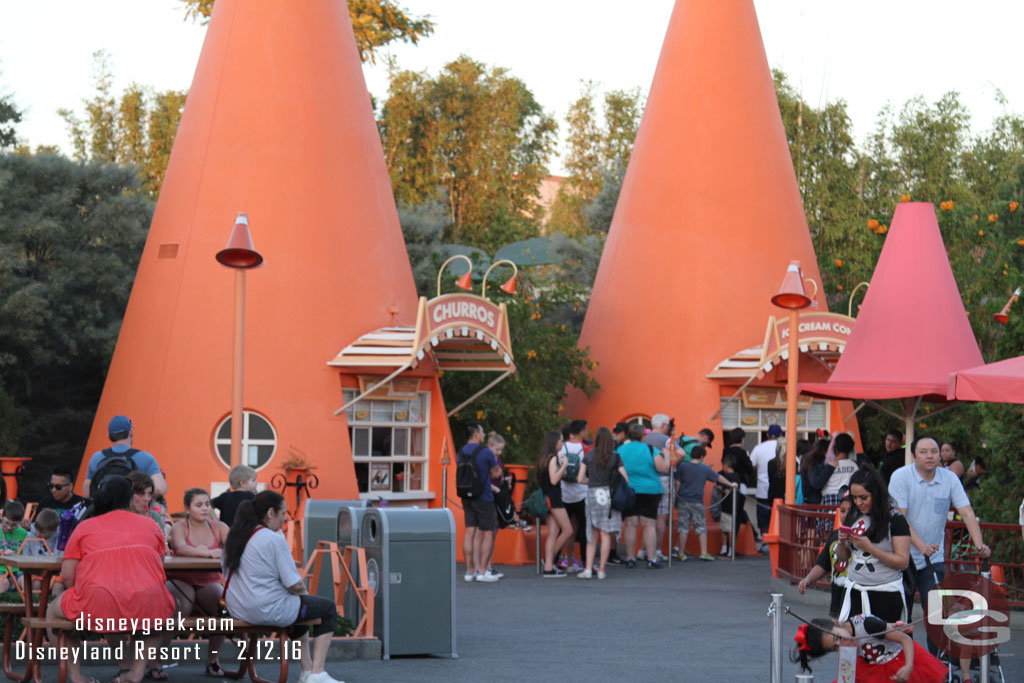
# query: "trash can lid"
{"type": "Point", "coordinates": [399, 524]}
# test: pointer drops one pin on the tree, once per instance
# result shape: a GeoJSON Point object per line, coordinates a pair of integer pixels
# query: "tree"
{"type": "Point", "coordinates": [138, 128]}
{"type": "Point", "coordinates": [595, 150]}
{"type": "Point", "coordinates": [475, 136]}
{"type": "Point", "coordinates": [70, 239]}
{"type": "Point", "coordinates": [549, 364]}
{"type": "Point", "coordinates": [9, 118]}
{"type": "Point", "coordinates": [422, 227]}
{"type": "Point", "coordinates": [376, 23]}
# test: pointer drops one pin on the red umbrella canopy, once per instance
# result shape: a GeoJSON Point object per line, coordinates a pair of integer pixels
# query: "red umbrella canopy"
{"type": "Point", "coordinates": [912, 330]}
{"type": "Point", "coordinates": [1001, 382]}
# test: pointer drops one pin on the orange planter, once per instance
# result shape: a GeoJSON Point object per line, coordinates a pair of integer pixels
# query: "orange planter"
{"type": "Point", "coordinates": [10, 468]}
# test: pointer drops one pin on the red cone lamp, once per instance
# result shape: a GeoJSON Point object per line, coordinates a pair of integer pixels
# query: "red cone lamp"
{"type": "Point", "coordinates": [510, 285]}
{"type": "Point", "coordinates": [240, 253]}
{"type": "Point", "coordinates": [791, 294]}
{"type": "Point", "coordinates": [466, 281]}
{"type": "Point", "coordinates": [1003, 316]}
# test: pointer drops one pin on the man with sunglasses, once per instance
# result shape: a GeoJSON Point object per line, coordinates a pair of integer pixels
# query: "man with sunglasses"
{"type": "Point", "coordinates": [62, 494]}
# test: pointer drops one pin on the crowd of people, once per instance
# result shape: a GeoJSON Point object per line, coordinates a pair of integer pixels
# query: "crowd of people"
{"type": "Point", "coordinates": [888, 549]}
{"type": "Point", "coordinates": [112, 540]}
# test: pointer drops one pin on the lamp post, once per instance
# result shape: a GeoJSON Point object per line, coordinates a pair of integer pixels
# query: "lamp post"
{"type": "Point", "coordinates": [792, 297]}
{"type": "Point", "coordinates": [465, 282]}
{"type": "Point", "coordinates": [509, 287]}
{"type": "Point", "coordinates": [241, 255]}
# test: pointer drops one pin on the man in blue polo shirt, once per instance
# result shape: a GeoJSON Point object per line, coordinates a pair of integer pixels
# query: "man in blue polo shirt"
{"type": "Point", "coordinates": [122, 433]}
{"type": "Point", "coordinates": [924, 492]}
{"type": "Point", "coordinates": [480, 516]}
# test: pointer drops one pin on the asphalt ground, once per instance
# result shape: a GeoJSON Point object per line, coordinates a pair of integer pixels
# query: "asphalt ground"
{"type": "Point", "coordinates": [698, 621]}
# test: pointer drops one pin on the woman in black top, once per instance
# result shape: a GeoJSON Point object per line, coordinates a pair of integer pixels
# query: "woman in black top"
{"type": "Point", "coordinates": [550, 470]}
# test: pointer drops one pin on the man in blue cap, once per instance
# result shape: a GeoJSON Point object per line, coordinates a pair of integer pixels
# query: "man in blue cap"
{"type": "Point", "coordinates": [121, 434]}
{"type": "Point", "coordinates": [762, 454]}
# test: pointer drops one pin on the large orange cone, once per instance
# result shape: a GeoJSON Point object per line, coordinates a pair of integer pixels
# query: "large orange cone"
{"type": "Point", "coordinates": [708, 218]}
{"type": "Point", "coordinates": [278, 123]}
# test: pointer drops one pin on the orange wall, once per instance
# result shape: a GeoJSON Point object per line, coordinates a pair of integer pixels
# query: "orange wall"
{"type": "Point", "coordinates": [708, 219]}
{"type": "Point", "coordinates": [278, 123]}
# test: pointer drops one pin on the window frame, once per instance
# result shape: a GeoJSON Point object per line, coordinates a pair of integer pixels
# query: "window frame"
{"type": "Point", "coordinates": [246, 440]}
{"type": "Point", "coordinates": [423, 423]}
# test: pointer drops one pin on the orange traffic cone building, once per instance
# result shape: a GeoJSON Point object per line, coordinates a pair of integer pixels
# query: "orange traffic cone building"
{"type": "Point", "coordinates": [708, 220]}
{"type": "Point", "coordinates": [278, 124]}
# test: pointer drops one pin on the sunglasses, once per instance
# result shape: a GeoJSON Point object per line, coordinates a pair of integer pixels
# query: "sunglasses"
{"type": "Point", "coordinates": [58, 486]}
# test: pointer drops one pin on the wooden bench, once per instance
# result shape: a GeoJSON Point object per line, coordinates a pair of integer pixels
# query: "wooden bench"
{"type": "Point", "coordinates": [248, 642]}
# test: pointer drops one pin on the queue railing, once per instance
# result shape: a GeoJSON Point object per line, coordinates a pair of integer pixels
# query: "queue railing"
{"type": "Point", "coordinates": [796, 535]}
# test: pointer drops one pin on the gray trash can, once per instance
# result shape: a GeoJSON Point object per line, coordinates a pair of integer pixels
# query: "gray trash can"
{"type": "Point", "coordinates": [320, 523]}
{"type": "Point", "coordinates": [410, 562]}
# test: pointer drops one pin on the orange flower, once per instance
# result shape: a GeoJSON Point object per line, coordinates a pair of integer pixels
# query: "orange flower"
{"type": "Point", "coordinates": [922, 425]}
{"type": "Point", "coordinates": [1013, 206]}
{"type": "Point", "coordinates": [947, 205]}
{"type": "Point", "coordinates": [981, 233]}
{"type": "Point", "coordinates": [904, 197]}
{"type": "Point", "coordinates": [535, 316]}
{"type": "Point", "coordinates": [872, 224]}
{"type": "Point", "coordinates": [1021, 242]}
{"type": "Point", "coordinates": [839, 263]}
{"type": "Point", "coordinates": [992, 217]}
{"type": "Point", "coordinates": [882, 229]}
{"type": "Point", "coordinates": [839, 287]}
{"type": "Point", "coordinates": [479, 414]}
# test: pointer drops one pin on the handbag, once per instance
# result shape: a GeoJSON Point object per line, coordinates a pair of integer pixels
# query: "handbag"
{"type": "Point", "coordinates": [536, 505]}
{"type": "Point", "coordinates": [623, 495]}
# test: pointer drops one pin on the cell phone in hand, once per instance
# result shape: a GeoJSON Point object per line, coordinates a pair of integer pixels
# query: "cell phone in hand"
{"type": "Point", "coordinates": [846, 530]}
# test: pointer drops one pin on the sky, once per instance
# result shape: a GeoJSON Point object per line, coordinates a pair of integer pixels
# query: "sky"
{"type": "Point", "coordinates": [867, 53]}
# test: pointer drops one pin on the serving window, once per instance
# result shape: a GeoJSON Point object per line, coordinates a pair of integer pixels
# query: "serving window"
{"type": "Point", "coordinates": [389, 440]}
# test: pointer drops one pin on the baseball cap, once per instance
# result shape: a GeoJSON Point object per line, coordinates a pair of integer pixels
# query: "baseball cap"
{"type": "Point", "coordinates": [774, 431]}
{"type": "Point", "coordinates": [118, 425]}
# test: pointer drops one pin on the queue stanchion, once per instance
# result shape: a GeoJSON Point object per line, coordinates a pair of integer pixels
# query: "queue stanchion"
{"type": "Point", "coordinates": [775, 629]}
{"type": "Point", "coordinates": [805, 678]}
{"type": "Point", "coordinates": [671, 493]}
{"type": "Point", "coordinates": [735, 527]}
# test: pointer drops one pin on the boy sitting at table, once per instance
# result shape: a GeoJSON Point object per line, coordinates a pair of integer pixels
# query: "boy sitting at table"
{"type": "Point", "coordinates": [42, 542]}
{"type": "Point", "coordinates": [11, 537]}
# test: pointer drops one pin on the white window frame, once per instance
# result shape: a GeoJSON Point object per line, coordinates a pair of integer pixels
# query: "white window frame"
{"type": "Point", "coordinates": [733, 412]}
{"type": "Point", "coordinates": [424, 460]}
{"type": "Point", "coordinates": [246, 441]}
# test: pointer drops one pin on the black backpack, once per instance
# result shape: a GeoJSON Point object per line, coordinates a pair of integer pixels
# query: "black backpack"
{"type": "Point", "coordinates": [113, 464]}
{"type": "Point", "coordinates": [467, 476]}
{"type": "Point", "coordinates": [504, 505]}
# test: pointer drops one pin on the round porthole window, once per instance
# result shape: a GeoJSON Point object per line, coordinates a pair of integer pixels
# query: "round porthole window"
{"type": "Point", "coordinates": [259, 440]}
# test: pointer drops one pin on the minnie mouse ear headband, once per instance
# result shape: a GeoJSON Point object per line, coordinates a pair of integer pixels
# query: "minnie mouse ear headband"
{"type": "Point", "coordinates": [801, 639]}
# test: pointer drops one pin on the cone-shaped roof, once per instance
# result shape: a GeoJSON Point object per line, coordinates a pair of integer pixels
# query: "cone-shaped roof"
{"type": "Point", "coordinates": [278, 124]}
{"type": "Point", "coordinates": [912, 330]}
{"type": "Point", "coordinates": [1000, 382]}
{"type": "Point", "coordinates": [707, 222]}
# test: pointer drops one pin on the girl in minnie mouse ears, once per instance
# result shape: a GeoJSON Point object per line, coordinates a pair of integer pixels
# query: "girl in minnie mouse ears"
{"type": "Point", "coordinates": [884, 656]}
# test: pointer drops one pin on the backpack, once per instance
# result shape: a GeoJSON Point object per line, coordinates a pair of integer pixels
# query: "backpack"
{"type": "Point", "coordinates": [686, 444]}
{"type": "Point", "coordinates": [536, 505]}
{"type": "Point", "coordinates": [467, 476]}
{"type": "Point", "coordinates": [623, 495]}
{"type": "Point", "coordinates": [504, 505]}
{"type": "Point", "coordinates": [113, 464]}
{"type": "Point", "coordinates": [572, 472]}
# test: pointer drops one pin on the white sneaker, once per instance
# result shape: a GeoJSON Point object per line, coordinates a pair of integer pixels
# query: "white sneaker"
{"type": "Point", "coordinates": [322, 677]}
{"type": "Point", "coordinates": [304, 676]}
{"type": "Point", "coordinates": [602, 575]}
{"type": "Point", "coordinates": [661, 556]}
{"type": "Point", "coordinates": [486, 578]}
{"type": "Point", "coordinates": [585, 574]}
{"type": "Point", "coordinates": [641, 554]}
{"type": "Point", "coordinates": [469, 577]}
{"type": "Point", "coordinates": [496, 575]}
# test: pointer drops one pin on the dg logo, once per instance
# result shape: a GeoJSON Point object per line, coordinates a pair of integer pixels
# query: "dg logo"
{"type": "Point", "coordinates": [968, 616]}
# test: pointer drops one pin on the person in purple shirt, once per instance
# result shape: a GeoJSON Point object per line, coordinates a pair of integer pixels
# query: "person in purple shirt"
{"type": "Point", "coordinates": [480, 516]}
{"type": "Point", "coordinates": [691, 478]}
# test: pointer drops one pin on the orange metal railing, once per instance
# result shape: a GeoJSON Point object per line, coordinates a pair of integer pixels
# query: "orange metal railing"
{"type": "Point", "coordinates": [341, 564]}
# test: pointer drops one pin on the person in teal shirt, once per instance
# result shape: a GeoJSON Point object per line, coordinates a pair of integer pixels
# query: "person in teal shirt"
{"type": "Point", "coordinates": [643, 465]}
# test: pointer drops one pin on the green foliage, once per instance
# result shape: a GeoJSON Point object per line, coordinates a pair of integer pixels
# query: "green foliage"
{"type": "Point", "coordinates": [422, 227]}
{"type": "Point", "coordinates": [70, 239]}
{"type": "Point", "coordinates": [596, 150]}
{"type": "Point", "coordinates": [138, 128]}
{"type": "Point", "coordinates": [9, 118]}
{"type": "Point", "coordinates": [376, 23]}
{"type": "Point", "coordinates": [474, 136]}
{"type": "Point", "coordinates": [527, 404]}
